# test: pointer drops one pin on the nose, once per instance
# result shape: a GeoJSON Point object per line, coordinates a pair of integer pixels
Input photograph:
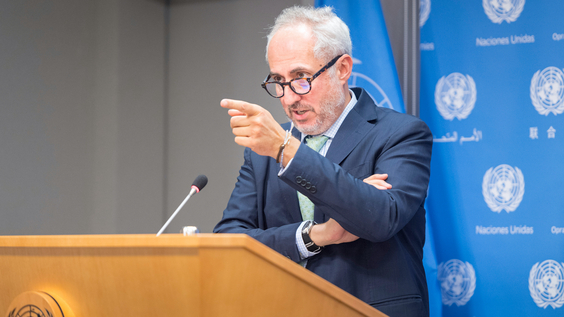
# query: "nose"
{"type": "Point", "coordinates": [290, 97]}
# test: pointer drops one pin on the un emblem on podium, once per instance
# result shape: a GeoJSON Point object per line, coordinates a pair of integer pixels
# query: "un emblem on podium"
{"type": "Point", "coordinates": [455, 96]}
{"type": "Point", "coordinates": [503, 187]}
{"type": "Point", "coordinates": [458, 282]}
{"type": "Point", "coordinates": [503, 10]}
{"type": "Point", "coordinates": [38, 304]}
{"type": "Point", "coordinates": [546, 284]}
{"type": "Point", "coordinates": [547, 91]}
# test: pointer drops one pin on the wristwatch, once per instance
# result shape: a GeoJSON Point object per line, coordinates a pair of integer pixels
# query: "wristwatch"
{"type": "Point", "coordinates": [310, 245]}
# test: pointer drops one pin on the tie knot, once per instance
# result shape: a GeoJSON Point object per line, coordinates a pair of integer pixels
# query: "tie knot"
{"type": "Point", "coordinates": [316, 142]}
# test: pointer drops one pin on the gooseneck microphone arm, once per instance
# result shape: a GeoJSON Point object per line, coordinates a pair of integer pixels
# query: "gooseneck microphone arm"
{"type": "Point", "coordinates": [199, 183]}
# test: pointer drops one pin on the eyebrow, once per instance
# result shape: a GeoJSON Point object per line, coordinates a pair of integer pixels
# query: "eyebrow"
{"type": "Point", "coordinates": [293, 71]}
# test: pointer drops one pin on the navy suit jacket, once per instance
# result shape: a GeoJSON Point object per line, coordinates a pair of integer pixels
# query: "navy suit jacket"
{"type": "Point", "coordinates": [384, 266]}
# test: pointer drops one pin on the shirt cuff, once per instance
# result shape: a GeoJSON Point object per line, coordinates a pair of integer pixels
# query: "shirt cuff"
{"type": "Point", "coordinates": [283, 169]}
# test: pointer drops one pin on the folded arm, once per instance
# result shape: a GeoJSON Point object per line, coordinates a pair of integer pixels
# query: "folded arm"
{"type": "Point", "coordinates": [362, 209]}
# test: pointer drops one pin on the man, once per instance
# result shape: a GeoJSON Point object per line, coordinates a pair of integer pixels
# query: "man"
{"type": "Point", "coordinates": [368, 234]}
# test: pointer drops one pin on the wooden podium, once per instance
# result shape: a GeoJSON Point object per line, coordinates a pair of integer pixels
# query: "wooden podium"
{"type": "Point", "coordinates": [170, 275]}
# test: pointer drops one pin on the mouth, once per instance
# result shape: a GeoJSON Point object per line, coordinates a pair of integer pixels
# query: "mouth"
{"type": "Point", "coordinates": [300, 115]}
{"type": "Point", "coordinates": [300, 112]}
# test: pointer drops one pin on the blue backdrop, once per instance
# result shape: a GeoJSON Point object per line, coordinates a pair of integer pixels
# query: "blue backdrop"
{"type": "Point", "coordinates": [492, 92]}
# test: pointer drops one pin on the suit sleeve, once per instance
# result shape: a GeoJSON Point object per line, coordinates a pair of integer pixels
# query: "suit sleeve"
{"type": "Point", "coordinates": [245, 212]}
{"type": "Point", "coordinates": [361, 209]}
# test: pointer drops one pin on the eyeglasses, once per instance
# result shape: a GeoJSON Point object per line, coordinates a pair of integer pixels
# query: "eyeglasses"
{"type": "Point", "coordinates": [300, 86]}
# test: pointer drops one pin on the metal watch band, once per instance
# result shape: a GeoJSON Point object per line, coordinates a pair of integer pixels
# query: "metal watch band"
{"type": "Point", "coordinates": [310, 245]}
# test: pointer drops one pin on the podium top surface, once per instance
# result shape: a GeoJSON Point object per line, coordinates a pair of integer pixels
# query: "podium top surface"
{"type": "Point", "coordinates": [200, 242]}
{"type": "Point", "coordinates": [131, 240]}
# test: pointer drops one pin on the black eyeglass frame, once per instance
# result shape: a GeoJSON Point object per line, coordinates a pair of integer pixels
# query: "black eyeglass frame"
{"type": "Point", "coordinates": [289, 83]}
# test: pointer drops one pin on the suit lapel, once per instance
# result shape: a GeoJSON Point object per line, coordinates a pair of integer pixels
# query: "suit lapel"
{"type": "Point", "coordinates": [351, 132]}
{"type": "Point", "coordinates": [353, 129]}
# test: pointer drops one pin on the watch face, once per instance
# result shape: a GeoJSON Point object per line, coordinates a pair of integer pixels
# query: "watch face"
{"type": "Point", "coordinates": [307, 227]}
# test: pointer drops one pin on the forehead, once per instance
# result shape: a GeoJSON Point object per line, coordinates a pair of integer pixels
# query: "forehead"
{"type": "Point", "coordinates": [291, 49]}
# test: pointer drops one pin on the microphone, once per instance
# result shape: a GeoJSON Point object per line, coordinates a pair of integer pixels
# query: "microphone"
{"type": "Point", "coordinates": [199, 183]}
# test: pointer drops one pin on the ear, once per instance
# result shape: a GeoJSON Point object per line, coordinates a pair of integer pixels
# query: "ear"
{"type": "Point", "coordinates": [344, 68]}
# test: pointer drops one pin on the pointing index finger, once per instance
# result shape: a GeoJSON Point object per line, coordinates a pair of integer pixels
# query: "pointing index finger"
{"type": "Point", "coordinates": [242, 106]}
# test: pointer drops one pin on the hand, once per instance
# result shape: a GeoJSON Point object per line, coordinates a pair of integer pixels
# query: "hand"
{"type": "Point", "coordinates": [378, 181]}
{"type": "Point", "coordinates": [254, 127]}
{"type": "Point", "coordinates": [330, 232]}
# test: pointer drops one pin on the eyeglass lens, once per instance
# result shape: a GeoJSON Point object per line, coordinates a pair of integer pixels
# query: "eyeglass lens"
{"type": "Point", "coordinates": [299, 86]}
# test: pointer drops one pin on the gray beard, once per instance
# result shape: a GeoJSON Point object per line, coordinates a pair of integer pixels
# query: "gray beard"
{"type": "Point", "coordinates": [327, 116]}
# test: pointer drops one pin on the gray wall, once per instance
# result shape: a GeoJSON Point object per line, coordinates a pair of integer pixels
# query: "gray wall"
{"type": "Point", "coordinates": [402, 22]}
{"type": "Point", "coordinates": [81, 116]}
{"type": "Point", "coordinates": [110, 108]}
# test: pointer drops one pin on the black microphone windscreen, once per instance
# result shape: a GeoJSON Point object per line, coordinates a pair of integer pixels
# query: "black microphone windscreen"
{"type": "Point", "coordinates": [200, 182]}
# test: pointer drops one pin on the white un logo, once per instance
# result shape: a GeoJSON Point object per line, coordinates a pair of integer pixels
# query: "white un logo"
{"type": "Point", "coordinates": [503, 188]}
{"type": "Point", "coordinates": [547, 91]}
{"type": "Point", "coordinates": [455, 96]}
{"type": "Point", "coordinates": [458, 282]}
{"type": "Point", "coordinates": [424, 10]}
{"type": "Point", "coordinates": [546, 284]}
{"type": "Point", "coordinates": [503, 10]}
{"type": "Point", "coordinates": [374, 90]}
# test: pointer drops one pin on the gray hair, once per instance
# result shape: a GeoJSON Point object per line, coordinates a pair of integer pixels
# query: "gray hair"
{"type": "Point", "coordinates": [331, 34]}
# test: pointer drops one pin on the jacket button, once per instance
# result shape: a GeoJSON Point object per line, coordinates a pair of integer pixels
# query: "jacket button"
{"type": "Point", "coordinates": [313, 189]}
{"type": "Point", "coordinates": [308, 185]}
{"type": "Point", "coordinates": [299, 179]}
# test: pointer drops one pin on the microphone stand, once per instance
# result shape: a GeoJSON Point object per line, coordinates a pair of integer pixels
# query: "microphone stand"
{"type": "Point", "coordinates": [192, 191]}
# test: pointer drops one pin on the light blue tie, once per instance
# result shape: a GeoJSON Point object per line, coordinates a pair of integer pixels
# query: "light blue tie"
{"type": "Point", "coordinates": [306, 206]}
